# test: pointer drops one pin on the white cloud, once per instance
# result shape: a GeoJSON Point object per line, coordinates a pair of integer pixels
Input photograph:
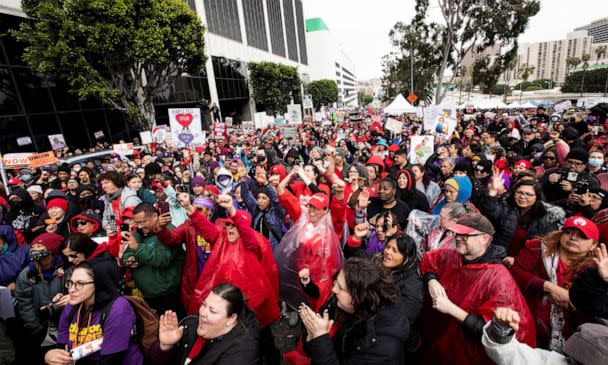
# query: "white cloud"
{"type": "Point", "coordinates": [362, 26]}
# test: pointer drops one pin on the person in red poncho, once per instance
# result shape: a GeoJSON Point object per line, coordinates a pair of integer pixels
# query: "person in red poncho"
{"type": "Point", "coordinates": [238, 256]}
{"type": "Point", "coordinates": [466, 284]}
{"type": "Point", "coordinates": [313, 242]}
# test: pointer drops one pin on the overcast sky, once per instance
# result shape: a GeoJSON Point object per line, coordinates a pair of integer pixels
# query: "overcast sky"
{"type": "Point", "coordinates": [362, 26]}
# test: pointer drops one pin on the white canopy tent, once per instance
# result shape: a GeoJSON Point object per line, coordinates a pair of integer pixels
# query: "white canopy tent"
{"type": "Point", "coordinates": [489, 104]}
{"type": "Point", "coordinates": [527, 105]}
{"type": "Point", "coordinates": [400, 106]}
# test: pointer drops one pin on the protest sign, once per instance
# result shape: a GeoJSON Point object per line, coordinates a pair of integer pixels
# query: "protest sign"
{"type": "Point", "coordinates": [228, 121]}
{"type": "Point", "coordinates": [219, 130]}
{"type": "Point", "coordinates": [159, 134]}
{"type": "Point", "coordinates": [295, 114]}
{"type": "Point", "coordinates": [421, 148]}
{"type": "Point", "coordinates": [57, 141]}
{"type": "Point", "coordinates": [307, 102]}
{"type": "Point", "coordinates": [376, 118]}
{"type": "Point", "coordinates": [98, 135]}
{"type": "Point", "coordinates": [279, 121]}
{"type": "Point", "coordinates": [42, 159]}
{"type": "Point", "coordinates": [431, 113]}
{"type": "Point", "coordinates": [123, 149]}
{"type": "Point", "coordinates": [16, 160]}
{"type": "Point", "coordinates": [146, 137]}
{"type": "Point", "coordinates": [248, 126]}
{"type": "Point", "coordinates": [290, 132]}
{"type": "Point", "coordinates": [259, 119]}
{"type": "Point", "coordinates": [24, 141]}
{"type": "Point", "coordinates": [394, 125]}
{"type": "Point", "coordinates": [563, 106]}
{"type": "Point", "coordinates": [318, 117]}
{"type": "Point", "coordinates": [340, 116]}
{"type": "Point", "coordinates": [444, 126]}
{"type": "Point", "coordinates": [186, 125]}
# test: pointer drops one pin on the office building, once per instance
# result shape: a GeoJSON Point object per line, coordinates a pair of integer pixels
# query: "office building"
{"type": "Point", "coordinates": [238, 32]}
{"type": "Point", "coordinates": [598, 29]}
{"type": "Point", "coordinates": [328, 60]}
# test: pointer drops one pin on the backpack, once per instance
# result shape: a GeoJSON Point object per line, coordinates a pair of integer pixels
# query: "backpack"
{"type": "Point", "coordinates": [146, 321]}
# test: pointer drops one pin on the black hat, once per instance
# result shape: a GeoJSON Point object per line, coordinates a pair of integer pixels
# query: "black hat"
{"type": "Point", "coordinates": [152, 168]}
{"type": "Point", "coordinates": [570, 134]}
{"type": "Point", "coordinates": [578, 154]}
{"type": "Point", "coordinates": [484, 166]}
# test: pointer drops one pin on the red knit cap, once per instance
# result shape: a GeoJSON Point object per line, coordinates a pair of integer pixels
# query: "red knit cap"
{"type": "Point", "coordinates": [59, 203]}
{"type": "Point", "coordinates": [52, 241]}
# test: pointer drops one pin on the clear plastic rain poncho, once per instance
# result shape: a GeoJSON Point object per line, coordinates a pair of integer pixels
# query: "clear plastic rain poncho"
{"type": "Point", "coordinates": [312, 246]}
{"type": "Point", "coordinates": [427, 232]}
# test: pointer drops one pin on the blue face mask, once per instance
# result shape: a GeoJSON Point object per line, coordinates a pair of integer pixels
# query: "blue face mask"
{"type": "Point", "coordinates": [26, 178]}
{"type": "Point", "coordinates": [596, 162]}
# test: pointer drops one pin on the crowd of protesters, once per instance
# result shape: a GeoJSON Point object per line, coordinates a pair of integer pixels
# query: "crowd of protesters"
{"type": "Point", "coordinates": [490, 251]}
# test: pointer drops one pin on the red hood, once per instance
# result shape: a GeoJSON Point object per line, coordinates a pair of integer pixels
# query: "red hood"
{"type": "Point", "coordinates": [101, 248]}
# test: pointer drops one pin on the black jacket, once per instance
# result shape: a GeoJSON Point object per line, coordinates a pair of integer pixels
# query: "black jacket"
{"type": "Point", "coordinates": [504, 216]}
{"type": "Point", "coordinates": [380, 340]}
{"type": "Point", "coordinates": [239, 346]}
{"type": "Point", "coordinates": [555, 192]}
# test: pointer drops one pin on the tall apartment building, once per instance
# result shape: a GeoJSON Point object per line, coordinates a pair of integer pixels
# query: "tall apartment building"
{"type": "Point", "coordinates": [598, 29]}
{"type": "Point", "coordinates": [238, 32]}
{"type": "Point", "coordinates": [328, 60]}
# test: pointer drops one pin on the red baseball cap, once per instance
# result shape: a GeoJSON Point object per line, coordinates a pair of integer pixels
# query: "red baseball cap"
{"type": "Point", "coordinates": [587, 227]}
{"type": "Point", "coordinates": [393, 148]}
{"type": "Point", "coordinates": [213, 189]}
{"type": "Point", "coordinates": [14, 181]}
{"type": "Point", "coordinates": [156, 186]}
{"type": "Point", "coordinates": [319, 201]}
{"type": "Point", "coordinates": [523, 163]}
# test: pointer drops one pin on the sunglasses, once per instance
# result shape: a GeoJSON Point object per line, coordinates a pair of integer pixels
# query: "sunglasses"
{"type": "Point", "coordinates": [229, 225]}
{"type": "Point", "coordinates": [82, 222]}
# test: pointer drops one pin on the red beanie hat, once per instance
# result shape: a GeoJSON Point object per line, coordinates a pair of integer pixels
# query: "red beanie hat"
{"type": "Point", "coordinates": [59, 203]}
{"type": "Point", "coordinates": [52, 241]}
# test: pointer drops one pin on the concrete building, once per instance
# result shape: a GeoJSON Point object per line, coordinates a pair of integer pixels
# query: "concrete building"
{"type": "Point", "coordinates": [238, 32]}
{"type": "Point", "coordinates": [598, 29]}
{"type": "Point", "coordinates": [549, 58]}
{"type": "Point", "coordinates": [328, 60]}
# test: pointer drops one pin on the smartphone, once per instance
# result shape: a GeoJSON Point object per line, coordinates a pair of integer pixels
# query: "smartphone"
{"type": "Point", "coordinates": [163, 207]}
{"type": "Point", "coordinates": [124, 227]}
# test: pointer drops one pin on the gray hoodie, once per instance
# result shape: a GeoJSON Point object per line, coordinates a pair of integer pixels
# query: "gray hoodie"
{"type": "Point", "coordinates": [128, 198]}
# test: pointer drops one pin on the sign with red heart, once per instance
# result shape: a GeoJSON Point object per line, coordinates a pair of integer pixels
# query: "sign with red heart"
{"type": "Point", "coordinates": [184, 119]}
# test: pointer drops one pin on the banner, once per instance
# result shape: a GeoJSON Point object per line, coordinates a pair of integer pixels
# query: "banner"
{"type": "Point", "coordinates": [563, 106]}
{"type": "Point", "coordinates": [24, 141]}
{"type": "Point", "coordinates": [186, 126]}
{"type": "Point", "coordinates": [146, 137]}
{"type": "Point", "coordinates": [123, 149]}
{"type": "Point", "coordinates": [42, 159]}
{"type": "Point", "coordinates": [57, 141]}
{"type": "Point", "coordinates": [421, 148]}
{"type": "Point", "coordinates": [394, 125]}
{"type": "Point", "coordinates": [294, 112]}
{"type": "Point", "coordinates": [16, 160]}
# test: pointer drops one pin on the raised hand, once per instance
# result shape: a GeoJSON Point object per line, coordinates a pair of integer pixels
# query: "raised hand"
{"type": "Point", "coordinates": [497, 182]}
{"type": "Point", "coordinates": [601, 260]}
{"type": "Point", "coordinates": [363, 199]}
{"type": "Point", "coordinates": [315, 324]}
{"type": "Point", "coordinates": [361, 230]}
{"type": "Point", "coordinates": [169, 330]}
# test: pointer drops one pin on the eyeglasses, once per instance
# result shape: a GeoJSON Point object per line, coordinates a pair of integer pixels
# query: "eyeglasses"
{"type": "Point", "coordinates": [523, 194]}
{"type": "Point", "coordinates": [77, 284]}
{"type": "Point", "coordinates": [465, 237]}
{"type": "Point", "coordinates": [575, 163]}
{"type": "Point", "coordinates": [82, 222]}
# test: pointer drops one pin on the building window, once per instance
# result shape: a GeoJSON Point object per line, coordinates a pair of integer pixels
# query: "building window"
{"type": "Point", "coordinates": [275, 23]}
{"type": "Point", "coordinates": [290, 29]}
{"type": "Point", "coordinates": [301, 32]}
{"type": "Point", "coordinates": [223, 18]}
{"type": "Point", "coordinates": [230, 78]}
{"type": "Point", "coordinates": [255, 26]}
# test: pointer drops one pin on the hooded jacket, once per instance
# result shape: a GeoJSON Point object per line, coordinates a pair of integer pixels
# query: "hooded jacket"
{"type": "Point", "coordinates": [463, 186]}
{"type": "Point", "coordinates": [228, 185]}
{"type": "Point", "coordinates": [12, 257]}
{"type": "Point", "coordinates": [272, 218]}
{"type": "Point", "coordinates": [413, 197]}
{"type": "Point", "coordinates": [23, 218]}
{"type": "Point", "coordinates": [89, 203]}
{"type": "Point", "coordinates": [128, 198]}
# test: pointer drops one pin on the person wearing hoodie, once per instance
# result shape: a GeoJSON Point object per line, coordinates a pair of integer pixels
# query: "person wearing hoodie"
{"type": "Point", "coordinates": [23, 216]}
{"type": "Point", "coordinates": [118, 197]}
{"type": "Point", "coordinates": [38, 292]}
{"type": "Point", "coordinates": [13, 257]}
{"type": "Point", "coordinates": [456, 189]}
{"type": "Point", "coordinates": [56, 219]}
{"type": "Point", "coordinates": [407, 192]}
{"type": "Point", "coordinates": [224, 181]}
{"type": "Point", "coordinates": [88, 201]}
{"type": "Point", "coordinates": [466, 284]}
{"type": "Point", "coordinates": [87, 223]}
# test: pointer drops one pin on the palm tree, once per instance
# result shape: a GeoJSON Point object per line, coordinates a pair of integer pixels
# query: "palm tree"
{"type": "Point", "coordinates": [571, 63]}
{"type": "Point", "coordinates": [525, 72]}
{"type": "Point", "coordinates": [510, 68]}
{"type": "Point", "coordinates": [600, 52]}
{"type": "Point", "coordinates": [585, 59]}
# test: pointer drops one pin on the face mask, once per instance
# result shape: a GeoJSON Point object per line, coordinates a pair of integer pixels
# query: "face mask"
{"type": "Point", "coordinates": [77, 169]}
{"type": "Point", "coordinates": [596, 162]}
{"type": "Point", "coordinates": [15, 204]}
{"type": "Point", "coordinates": [38, 255]}
{"type": "Point", "coordinates": [490, 158]}
{"type": "Point", "coordinates": [26, 178]}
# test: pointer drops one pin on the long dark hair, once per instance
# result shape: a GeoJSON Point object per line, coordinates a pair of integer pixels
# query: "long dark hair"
{"type": "Point", "coordinates": [426, 180]}
{"type": "Point", "coordinates": [370, 287]}
{"type": "Point", "coordinates": [538, 190]}
{"type": "Point", "coordinates": [234, 297]}
{"type": "Point", "coordinates": [80, 243]}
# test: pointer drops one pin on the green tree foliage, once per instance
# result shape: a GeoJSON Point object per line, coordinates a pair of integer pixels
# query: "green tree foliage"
{"type": "Point", "coordinates": [417, 43]}
{"type": "Point", "coordinates": [474, 25]}
{"type": "Point", "coordinates": [121, 52]}
{"type": "Point", "coordinates": [485, 74]}
{"type": "Point", "coordinates": [324, 92]}
{"type": "Point", "coordinates": [273, 85]}
{"type": "Point", "coordinates": [543, 84]}
{"type": "Point", "coordinates": [364, 99]}
{"type": "Point", "coordinates": [595, 81]}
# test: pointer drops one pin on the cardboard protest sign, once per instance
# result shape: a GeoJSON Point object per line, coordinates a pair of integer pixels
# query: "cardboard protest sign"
{"type": "Point", "coordinates": [307, 102]}
{"type": "Point", "coordinates": [16, 160]}
{"type": "Point", "coordinates": [394, 125]}
{"type": "Point", "coordinates": [146, 137]}
{"type": "Point", "coordinates": [248, 126]}
{"type": "Point", "coordinates": [123, 149]}
{"type": "Point", "coordinates": [57, 141]}
{"type": "Point", "coordinates": [421, 148]}
{"type": "Point", "coordinates": [444, 126]}
{"type": "Point", "coordinates": [186, 125]}
{"type": "Point", "coordinates": [294, 112]}
{"type": "Point", "coordinates": [42, 159]}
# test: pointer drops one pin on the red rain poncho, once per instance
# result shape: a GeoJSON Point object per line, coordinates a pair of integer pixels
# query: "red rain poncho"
{"type": "Point", "coordinates": [478, 289]}
{"type": "Point", "coordinates": [316, 247]}
{"type": "Point", "coordinates": [247, 264]}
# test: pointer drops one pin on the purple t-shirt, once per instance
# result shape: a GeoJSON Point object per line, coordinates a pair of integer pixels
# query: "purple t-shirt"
{"type": "Point", "coordinates": [117, 332]}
